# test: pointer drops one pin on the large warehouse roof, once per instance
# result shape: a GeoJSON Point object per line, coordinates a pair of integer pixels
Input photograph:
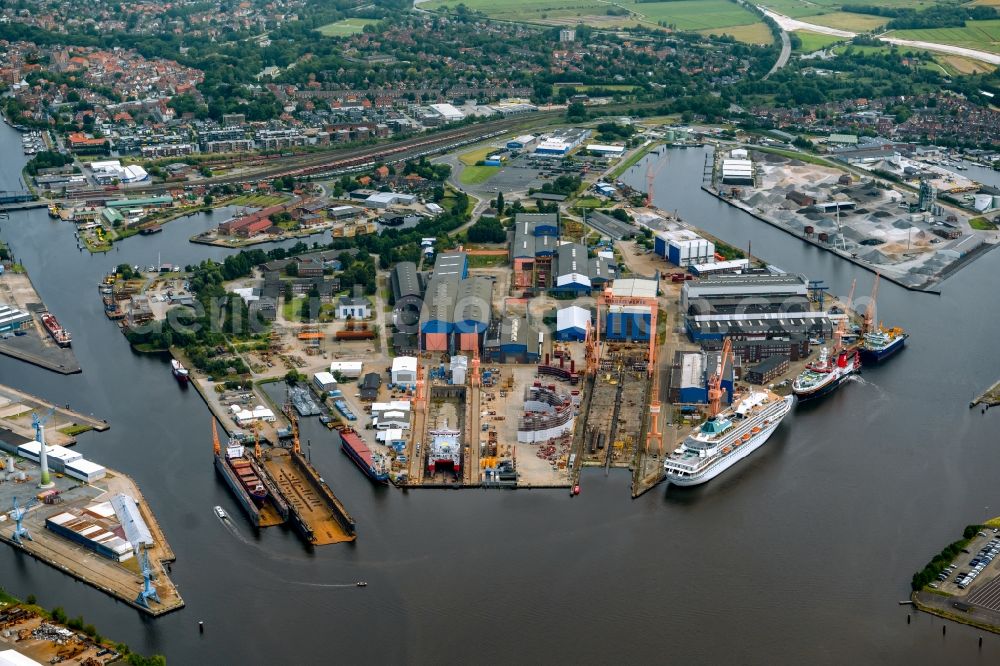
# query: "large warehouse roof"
{"type": "Point", "coordinates": [572, 317]}
{"type": "Point", "coordinates": [439, 301]}
{"type": "Point", "coordinates": [472, 302]}
{"type": "Point", "coordinates": [634, 288]}
{"type": "Point", "coordinates": [404, 279]}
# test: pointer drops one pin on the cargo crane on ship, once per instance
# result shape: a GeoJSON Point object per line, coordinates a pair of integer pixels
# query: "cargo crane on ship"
{"type": "Point", "coordinates": [879, 342]}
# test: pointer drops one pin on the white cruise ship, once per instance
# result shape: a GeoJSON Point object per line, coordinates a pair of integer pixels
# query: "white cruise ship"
{"type": "Point", "coordinates": [723, 440]}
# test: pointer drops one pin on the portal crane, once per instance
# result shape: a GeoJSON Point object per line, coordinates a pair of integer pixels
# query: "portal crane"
{"type": "Point", "coordinates": [715, 381]}
{"type": "Point", "coordinates": [148, 591]}
{"type": "Point", "coordinates": [20, 531]}
{"type": "Point", "coordinates": [868, 322]}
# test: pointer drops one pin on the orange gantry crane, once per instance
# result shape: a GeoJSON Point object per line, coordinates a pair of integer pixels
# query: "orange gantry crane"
{"type": "Point", "coordinates": [215, 439]}
{"type": "Point", "coordinates": [608, 299]}
{"type": "Point", "coordinates": [838, 335]}
{"type": "Point", "coordinates": [868, 321]}
{"type": "Point", "coordinates": [652, 168]}
{"type": "Point", "coordinates": [475, 379]}
{"type": "Point", "coordinates": [715, 381]}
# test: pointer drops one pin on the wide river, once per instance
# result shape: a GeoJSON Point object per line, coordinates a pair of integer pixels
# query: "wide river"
{"type": "Point", "coordinates": [798, 555]}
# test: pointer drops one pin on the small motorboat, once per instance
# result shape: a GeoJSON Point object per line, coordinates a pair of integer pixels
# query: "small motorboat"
{"type": "Point", "coordinates": [361, 583]}
{"type": "Point", "coordinates": [221, 513]}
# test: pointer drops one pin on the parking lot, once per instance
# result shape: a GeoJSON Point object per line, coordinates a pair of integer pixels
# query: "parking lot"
{"type": "Point", "coordinates": [974, 574]}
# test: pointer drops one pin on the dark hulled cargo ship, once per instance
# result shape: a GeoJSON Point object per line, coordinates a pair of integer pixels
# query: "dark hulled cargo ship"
{"type": "Point", "coordinates": [372, 464]}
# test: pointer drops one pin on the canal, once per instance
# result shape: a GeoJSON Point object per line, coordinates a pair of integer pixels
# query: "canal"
{"type": "Point", "coordinates": [799, 554]}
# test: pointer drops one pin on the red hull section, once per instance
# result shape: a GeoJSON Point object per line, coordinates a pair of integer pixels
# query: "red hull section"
{"type": "Point", "coordinates": [58, 333]}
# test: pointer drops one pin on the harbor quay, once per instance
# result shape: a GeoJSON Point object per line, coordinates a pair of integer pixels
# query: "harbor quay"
{"type": "Point", "coordinates": [82, 528]}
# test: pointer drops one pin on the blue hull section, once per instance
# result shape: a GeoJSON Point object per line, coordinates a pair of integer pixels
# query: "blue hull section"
{"type": "Point", "coordinates": [872, 356]}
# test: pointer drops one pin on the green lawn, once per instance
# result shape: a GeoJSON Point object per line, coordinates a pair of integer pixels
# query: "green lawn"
{"type": "Point", "coordinates": [477, 155]}
{"type": "Point", "coordinates": [814, 41]}
{"type": "Point", "coordinates": [982, 224]}
{"type": "Point", "coordinates": [474, 175]}
{"type": "Point", "coordinates": [980, 35]}
{"type": "Point", "coordinates": [344, 28]}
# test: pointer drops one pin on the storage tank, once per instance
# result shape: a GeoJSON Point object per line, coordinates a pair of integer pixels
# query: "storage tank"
{"type": "Point", "coordinates": [823, 236]}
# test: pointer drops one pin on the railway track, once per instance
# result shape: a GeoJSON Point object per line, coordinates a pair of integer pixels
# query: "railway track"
{"type": "Point", "coordinates": [332, 163]}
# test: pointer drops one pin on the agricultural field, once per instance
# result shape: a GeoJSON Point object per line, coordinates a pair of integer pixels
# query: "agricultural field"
{"type": "Point", "coordinates": [344, 28]}
{"type": "Point", "coordinates": [755, 33]}
{"type": "Point", "coordinates": [708, 16]}
{"type": "Point", "coordinates": [814, 41]}
{"type": "Point", "coordinates": [802, 8]}
{"type": "Point", "coordinates": [849, 21]}
{"type": "Point", "coordinates": [980, 35]}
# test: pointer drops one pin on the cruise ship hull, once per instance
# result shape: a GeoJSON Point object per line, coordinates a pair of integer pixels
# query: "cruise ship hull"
{"type": "Point", "coordinates": [873, 356]}
{"type": "Point", "coordinates": [738, 454]}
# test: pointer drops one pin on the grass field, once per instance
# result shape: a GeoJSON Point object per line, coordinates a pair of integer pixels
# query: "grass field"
{"type": "Point", "coordinates": [474, 175]}
{"type": "Point", "coordinates": [344, 28]}
{"type": "Point", "coordinates": [813, 41]}
{"type": "Point", "coordinates": [982, 224]}
{"type": "Point", "coordinates": [694, 15]}
{"type": "Point", "coordinates": [479, 154]}
{"type": "Point", "coordinates": [849, 21]}
{"type": "Point", "coordinates": [980, 35]}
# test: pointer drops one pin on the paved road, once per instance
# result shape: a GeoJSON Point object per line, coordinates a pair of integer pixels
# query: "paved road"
{"type": "Point", "coordinates": [786, 52]}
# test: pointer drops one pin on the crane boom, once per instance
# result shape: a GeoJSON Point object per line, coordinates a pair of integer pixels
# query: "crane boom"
{"type": "Point", "coordinates": [868, 323]}
{"type": "Point", "coordinates": [715, 381]}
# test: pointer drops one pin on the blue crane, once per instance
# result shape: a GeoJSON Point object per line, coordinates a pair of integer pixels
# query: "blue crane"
{"type": "Point", "coordinates": [20, 531]}
{"type": "Point", "coordinates": [148, 591]}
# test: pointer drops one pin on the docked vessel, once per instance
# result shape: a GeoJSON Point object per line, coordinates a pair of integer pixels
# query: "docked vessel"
{"type": "Point", "coordinates": [246, 471]}
{"type": "Point", "coordinates": [55, 329]}
{"type": "Point", "coordinates": [726, 438]}
{"type": "Point", "coordinates": [180, 372]}
{"type": "Point", "coordinates": [372, 464]}
{"type": "Point", "coordinates": [882, 343]}
{"type": "Point", "coordinates": [826, 374]}
{"type": "Point", "coordinates": [879, 342]}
